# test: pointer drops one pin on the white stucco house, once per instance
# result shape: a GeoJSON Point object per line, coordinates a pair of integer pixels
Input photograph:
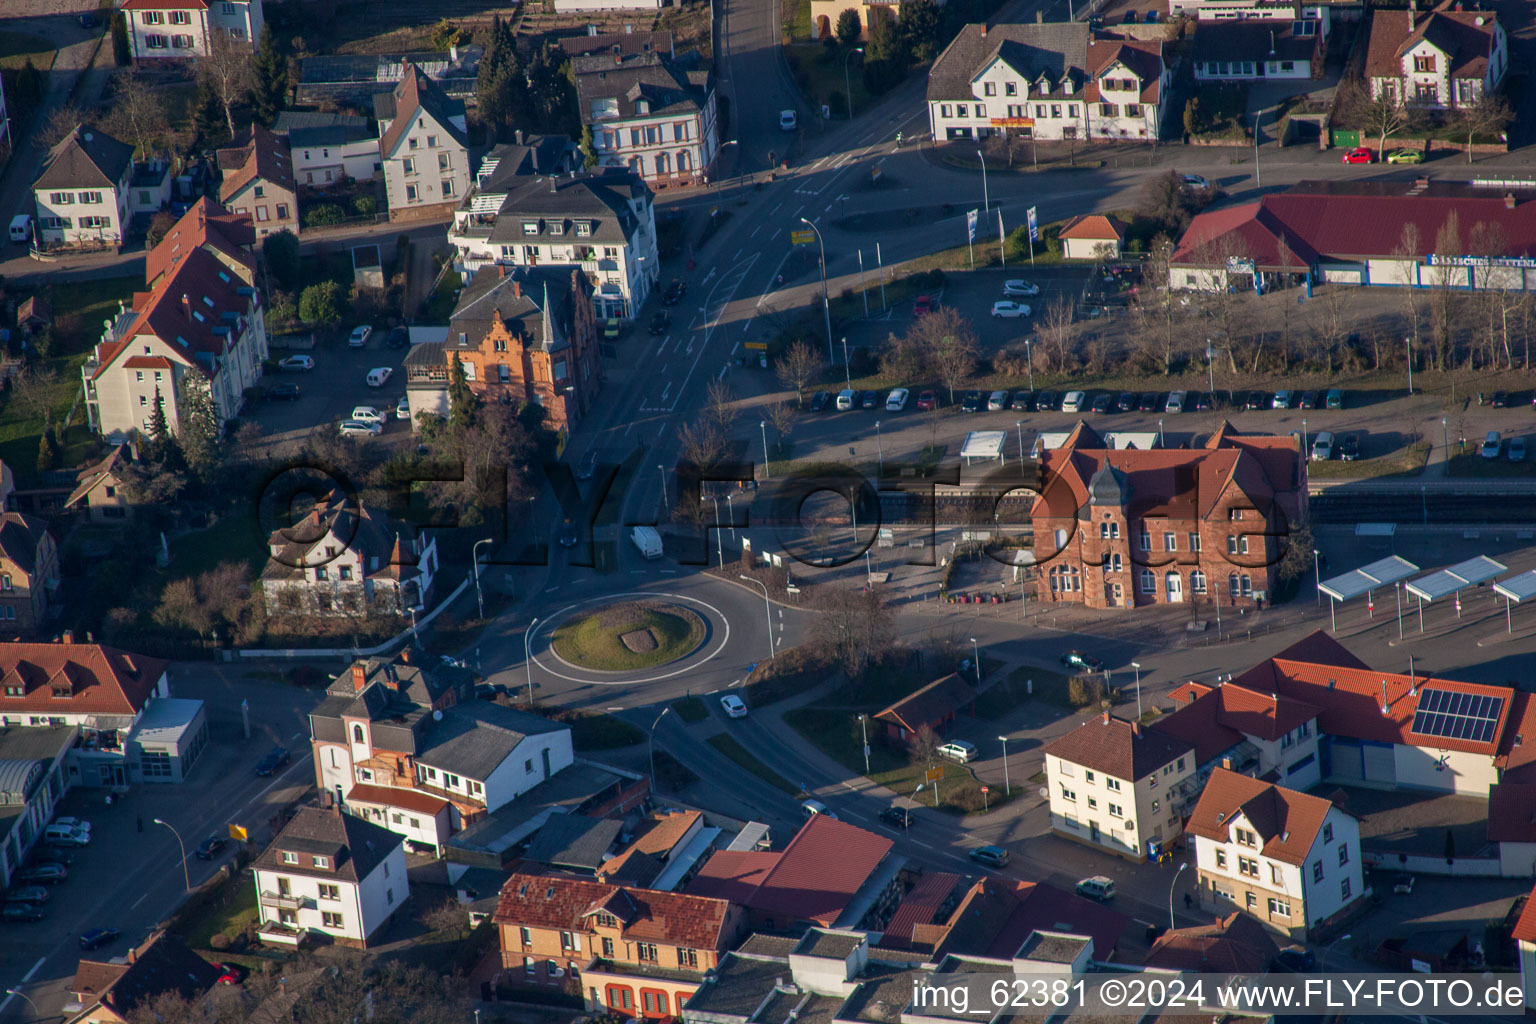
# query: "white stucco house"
{"type": "Point", "coordinates": [329, 148]}
{"type": "Point", "coordinates": [1439, 59]}
{"type": "Point", "coordinates": [180, 29]}
{"type": "Point", "coordinates": [1290, 860]}
{"type": "Point", "coordinates": [1228, 50]}
{"type": "Point", "coordinates": [649, 115]}
{"type": "Point", "coordinates": [331, 873]}
{"type": "Point", "coordinates": [1118, 787]}
{"type": "Point", "coordinates": [423, 147]}
{"type": "Point", "coordinates": [82, 194]}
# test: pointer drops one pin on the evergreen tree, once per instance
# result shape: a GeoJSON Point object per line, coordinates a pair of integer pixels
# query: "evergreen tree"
{"type": "Point", "coordinates": [122, 54]}
{"type": "Point", "coordinates": [588, 148]}
{"type": "Point", "coordinates": [462, 402]}
{"type": "Point", "coordinates": [269, 95]}
{"type": "Point", "coordinates": [29, 83]}
{"type": "Point", "coordinates": [159, 438]}
{"type": "Point", "coordinates": [208, 115]}
{"type": "Point", "coordinates": [197, 428]}
{"type": "Point", "coordinates": [47, 450]}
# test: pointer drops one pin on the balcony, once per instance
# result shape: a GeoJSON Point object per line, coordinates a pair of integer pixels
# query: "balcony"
{"type": "Point", "coordinates": [282, 902]}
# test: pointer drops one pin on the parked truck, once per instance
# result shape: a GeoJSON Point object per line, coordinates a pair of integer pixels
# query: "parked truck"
{"type": "Point", "coordinates": [647, 540]}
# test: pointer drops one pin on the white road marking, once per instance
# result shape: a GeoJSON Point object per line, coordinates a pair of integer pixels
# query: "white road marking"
{"type": "Point", "coordinates": [776, 234]}
{"type": "Point", "coordinates": [797, 210]}
{"type": "Point", "coordinates": [297, 735]}
{"type": "Point", "coordinates": [721, 374]}
{"type": "Point", "coordinates": [615, 708]}
{"type": "Point", "coordinates": [735, 347]}
{"type": "Point", "coordinates": [919, 842]}
{"type": "Point", "coordinates": [711, 693]}
{"type": "Point", "coordinates": [27, 978]}
{"type": "Point", "coordinates": [755, 231]}
{"type": "Point", "coordinates": [551, 590]}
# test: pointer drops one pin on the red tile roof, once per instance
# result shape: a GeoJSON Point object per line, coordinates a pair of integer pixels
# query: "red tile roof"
{"type": "Point", "coordinates": [1525, 927]}
{"type": "Point", "coordinates": [390, 796]}
{"type": "Point", "coordinates": [645, 915]}
{"type": "Point", "coordinates": [813, 879]}
{"type": "Point", "coordinates": [205, 224]}
{"type": "Point", "coordinates": [164, 5]}
{"type": "Point", "coordinates": [665, 832]}
{"type": "Point", "coordinates": [1143, 57]}
{"type": "Point", "coordinates": [998, 914]}
{"type": "Point", "coordinates": [415, 94]}
{"type": "Point", "coordinates": [733, 874]}
{"type": "Point", "coordinates": [1465, 37]}
{"type": "Point", "coordinates": [1286, 822]}
{"type": "Point", "coordinates": [147, 363]}
{"type": "Point", "coordinates": [930, 704]}
{"type": "Point", "coordinates": [1517, 752]}
{"type": "Point", "coordinates": [1234, 944]}
{"type": "Point", "coordinates": [922, 905]}
{"type": "Point", "coordinates": [262, 156]}
{"type": "Point", "coordinates": [102, 680]}
{"type": "Point", "coordinates": [1118, 748]}
{"type": "Point", "coordinates": [1512, 812]}
{"type": "Point", "coordinates": [1220, 718]}
{"type": "Point", "coordinates": [1094, 227]}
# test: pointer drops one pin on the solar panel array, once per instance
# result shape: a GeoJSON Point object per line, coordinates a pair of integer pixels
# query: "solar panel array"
{"type": "Point", "coordinates": [1458, 716]}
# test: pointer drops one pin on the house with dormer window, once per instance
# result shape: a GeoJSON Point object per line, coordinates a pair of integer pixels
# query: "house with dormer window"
{"type": "Point", "coordinates": [423, 147]}
{"type": "Point", "coordinates": [1441, 59]}
{"type": "Point", "coordinates": [1127, 82]}
{"type": "Point", "coordinates": [346, 558]}
{"type": "Point", "coordinates": [1289, 860]}
{"type": "Point", "coordinates": [649, 115]}
{"type": "Point", "coordinates": [258, 182]}
{"type": "Point", "coordinates": [329, 873]}
{"type": "Point", "coordinates": [83, 191]}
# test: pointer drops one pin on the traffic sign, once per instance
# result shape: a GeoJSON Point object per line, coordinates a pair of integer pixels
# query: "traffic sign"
{"type": "Point", "coordinates": [802, 237]}
{"type": "Point", "coordinates": [935, 773]}
{"type": "Point", "coordinates": [238, 832]}
{"type": "Point", "coordinates": [984, 789]}
{"type": "Point", "coordinates": [761, 346]}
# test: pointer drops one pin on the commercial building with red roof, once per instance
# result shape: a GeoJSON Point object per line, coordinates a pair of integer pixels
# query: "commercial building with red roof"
{"type": "Point", "coordinates": [636, 952]}
{"type": "Point", "coordinates": [1424, 234]}
{"type": "Point", "coordinates": [170, 30]}
{"type": "Point", "coordinates": [831, 874]}
{"type": "Point", "coordinates": [1128, 528]}
{"type": "Point", "coordinates": [1119, 787]}
{"type": "Point", "coordinates": [1289, 860]}
{"type": "Point", "coordinates": [931, 707]}
{"type": "Point", "coordinates": [1262, 734]}
{"type": "Point", "coordinates": [1092, 237]}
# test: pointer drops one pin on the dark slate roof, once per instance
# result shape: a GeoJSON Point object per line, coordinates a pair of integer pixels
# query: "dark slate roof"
{"type": "Point", "coordinates": [329, 135]}
{"type": "Point", "coordinates": [521, 299]}
{"type": "Point", "coordinates": [295, 120]}
{"type": "Point", "coordinates": [165, 965]}
{"type": "Point", "coordinates": [628, 80]}
{"type": "Point", "coordinates": [413, 676]}
{"type": "Point", "coordinates": [538, 154]}
{"type": "Point", "coordinates": [618, 42]}
{"type": "Point", "coordinates": [20, 537]}
{"type": "Point", "coordinates": [739, 985]}
{"type": "Point", "coordinates": [1053, 48]}
{"type": "Point", "coordinates": [473, 738]}
{"type": "Point", "coordinates": [85, 158]}
{"type": "Point", "coordinates": [574, 841]}
{"type": "Point", "coordinates": [601, 198]}
{"type": "Point", "coordinates": [362, 528]}
{"type": "Point", "coordinates": [355, 846]}
{"type": "Point", "coordinates": [1256, 40]}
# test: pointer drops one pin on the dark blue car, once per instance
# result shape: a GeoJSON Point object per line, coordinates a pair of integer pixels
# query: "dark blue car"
{"type": "Point", "coordinates": [275, 759]}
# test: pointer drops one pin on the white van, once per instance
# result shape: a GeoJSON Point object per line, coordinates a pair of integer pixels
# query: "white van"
{"type": "Point", "coordinates": [847, 399]}
{"type": "Point", "coordinates": [21, 228]}
{"type": "Point", "coordinates": [815, 807]}
{"type": "Point", "coordinates": [1097, 888]}
{"type": "Point", "coordinates": [1322, 446]}
{"type": "Point", "coordinates": [66, 835]}
{"type": "Point", "coordinates": [958, 750]}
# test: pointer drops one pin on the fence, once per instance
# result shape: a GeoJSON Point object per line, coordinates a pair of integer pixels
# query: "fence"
{"type": "Point", "coordinates": [1456, 867]}
{"type": "Point", "coordinates": [354, 652]}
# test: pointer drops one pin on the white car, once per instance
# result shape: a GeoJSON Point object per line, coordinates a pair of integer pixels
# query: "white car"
{"type": "Point", "coordinates": [1176, 401]}
{"type": "Point", "coordinates": [1009, 309]}
{"type": "Point", "coordinates": [1517, 449]}
{"type": "Point", "coordinates": [1024, 288]}
{"type": "Point", "coordinates": [734, 706]}
{"type": "Point", "coordinates": [357, 428]}
{"type": "Point", "coordinates": [1195, 181]}
{"type": "Point", "coordinates": [296, 363]}
{"type": "Point", "coordinates": [403, 408]}
{"type": "Point", "coordinates": [997, 401]}
{"type": "Point", "coordinates": [896, 400]}
{"type": "Point", "coordinates": [368, 414]}
{"type": "Point", "coordinates": [379, 376]}
{"type": "Point", "coordinates": [1491, 444]}
{"type": "Point", "coordinates": [75, 823]}
{"type": "Point", "coordinates": [1074, 401]}
{"type": "Point", "coordinates": [359, 336]}
{"type": "Point", "coordinates": [787, 120]}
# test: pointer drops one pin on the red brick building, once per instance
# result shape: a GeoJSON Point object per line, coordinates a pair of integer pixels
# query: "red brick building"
{"type": "Point", "coordinates": [1119, 529]}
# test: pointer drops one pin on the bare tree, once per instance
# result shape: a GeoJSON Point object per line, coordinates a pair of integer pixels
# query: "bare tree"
{"type": "Point", "coordinates": [1330, 321]}
{"type": "Point", "coordinates": [1156, 311]}
{"type": "Point", "coordinates": [1407, 251]}
{"type": "Point", "coordinates": [901, 357]}
{"type": "Point", "coordinates": [948, 344]}
{"type": "Point", "coordinates": [1057, 330]}
{"type": "Point", "coordinates": [701, 443]}
{"type": "Point", "coordinates": [720, 404]}
{"type": "Point", "coordinates": [1383, 115]}
{"type": "Point", "coordinates": [1490, 115]}
{"type": "Point", "coordinates": [227, 68]}
{"type": "Point", "coordinates": [797, 367]}
{"type": "Point", "coordinates": [447, 916]}
{"type": "Point", "coordinates": [60, 123]}
{"type": "Point", "coordinates": [853, 628]}
{"type": "Point", "coordinates": [783, 418]}
{"type": "Point", "coordinates": [137, 112]}
{"type": "Point", "coordinates": [1448, 242]}
{"type": "Point", "coordinates": [1490, 243]}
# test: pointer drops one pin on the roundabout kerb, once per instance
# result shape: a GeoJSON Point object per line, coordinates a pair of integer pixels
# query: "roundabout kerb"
{"type": "Point", "coordinates": [717, 634]}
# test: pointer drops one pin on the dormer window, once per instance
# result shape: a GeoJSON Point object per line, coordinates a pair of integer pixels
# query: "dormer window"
{"type": "Point", "coordinates": [642, 106]}
{"type": "Point", "coordinates": [583, 229]}
{"type": "Point", "coordinates": [530, 227]}
{"type": "Point", "coordinates": [15, 691]}
{"type": "Point", "coordinates": [289, 857]}
{"type": "Point", "coordinates": [322, 862]}
{"type": "Point", "coordinates": [557, 228]}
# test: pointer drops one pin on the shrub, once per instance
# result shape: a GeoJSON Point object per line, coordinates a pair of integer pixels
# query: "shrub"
{"type": "Point", "coordinates": [366, 206]}
{"type": "Point", "coordinates": [159, 226]}
{"type": "Point", "coordinates": [321, 303]}
{"type": "Point", "coordinates": [218, 941]}
{"type": "Point", "coordinates": [1085, 691]}
{"type": "Point", "coordinates": [324, 215]}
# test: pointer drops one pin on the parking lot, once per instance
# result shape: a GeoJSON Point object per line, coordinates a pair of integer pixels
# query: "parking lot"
{"type": "Point", "coordinates": [331, 390]}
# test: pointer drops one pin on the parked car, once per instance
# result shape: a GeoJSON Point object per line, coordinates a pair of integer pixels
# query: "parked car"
{"type": "Point", "coordinates": [568, 536]}
{"type": "Point", "coordinates": [611, 328]}
{"type": "Point", "coordinates": [661, 322]}
{"type": "Point", "coordinates": [1349, 447]}
{"type": "Point", "coordinates": [997, 401]}
{"type": "Point", "coordinates": [63, 835]}
{"type": "Point", "coordinates": [1403, 885]}
{"type": "Point", "coordinates": [1202, 401]}
{"type": "Point", "coordinates": [1517, 449]}
{"type": "Point", "coordinates": [676, 289]}
{"type": "Point", "coordinates": [1047, 401]}
{"type": "Point", "coordinates": [992, 856]}
{"type": "Point", "coordinates": [1359, 155]}
{"type": "Point", "coordinates": [734, 706]}
{"type": "Point", "coordinates": [358, 428]}
{"type": "Point", "coordinates": [286, 392]}
{"type": "Point", "coordinates": [296, 363]}
{"type": "Point", "coordinates": [926, 401]}
{"type": "Point", "coordinates": [923, 305]}
{"type": "Point", "coordinates": [1150, 401]}
{"type": "Point", "coordinates": [1282, 400]}
{"type": "Point", "coordinates": [379, 376]}
{"type": "Point", "coordinates": [1405, 156]}
{"type": "Point", "coordinates": [1257, 400]}
{"type": "Point", "coordinates": [359, 336]}
{"type": "Point", "coordinates": [974, 401]}
{"type": "Point", "coordinates": [399, 337]}
{"type": "Point", "coordinates": [230, 974]}
{"type": "Point", "coordinates": [819, 401]}
{"type": "Point", "coordinates": [1308, 400]}
{"type": "Point", "coordinates": [958, 750]}
{"type": "Point", "coordinates": [1023, 401]}
{"type": "Point", "coordinates": [1073, 401]}
{"type": "Point", "coordinates": [1010, 309]}
{"type": "Point", "coordinates": [403, 408]}
{"type": "Point", "coordinates": [72, 822]}
{"type": "Point", "coordinates": [1322, 446]}
{"type": "Point", "coordinates": [1196, 181]}
{"type": "Point", "coordinates": [1023, 289]}
{"type": "Point", "coordinates": [95, 938]}
{"type": "Point", "coordinates": [896, 817]}
{"type": "Point", "coordinates": [23, 912]}
{"type": "Point", "coordinates": [1492, 444]}
{"type": "Point", "coordinates": [368, 414]}
{"type": "Point", "coordinates": [847, 399]}
{"type": "Point", "coordinates": [1080, 662]}
{"type": "Point", "coordinates": [896, 400]}
{"type": "Point", "coordinates": [1099, 887]}
{"type": "Point", "coordinates": [811, 808]}
{"type": "Point", "coordinates": [869, 400]}
{"type": "Point", "coordinates": [1102, 402]}
{"type": "Point", "coordinates": [45, 874]}
{"type": "Point", "coordinates": [34, 894]}
{"type": "Point", "coordinates": [1335, 399]}
{"type": "Point", "coordinates": [275, 759]}
{"type": "Point", "coordinates": [787, 120]}
{"type": "Point", "coordinates": [1127, 401]}
{"type": "Point", "coordinates": [1175, 401]}
{"type": "Point", "coordinates": [1295, 959]}
{"type": "Point", "coordinates": [208, 848]}
{"type": "Point", "coordinates": [1500, 400]}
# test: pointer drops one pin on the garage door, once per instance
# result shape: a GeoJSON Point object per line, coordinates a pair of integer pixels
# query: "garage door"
{"type": "Point", "coordinates": [1378, 763]}
{"type": "Point", "coordinates": [1344, 759]}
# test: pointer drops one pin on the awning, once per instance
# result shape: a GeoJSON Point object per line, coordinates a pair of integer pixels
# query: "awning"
{"type": "Point", "coordinates": [1517, 588]}
{"type": "Point", "coordinates": [1448, 581]}
{"type": "Point", "coordinates": [1383, 573]}
{"type": "Point", "coordinates": [983, 444]}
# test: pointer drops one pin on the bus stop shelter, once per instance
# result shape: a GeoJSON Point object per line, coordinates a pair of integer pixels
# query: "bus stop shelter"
{"type": "Point", "coordinates": [1451, 581]}
{"type": "Point", "coordinates": [1389, 571]}
{"type": "Point", "coordinates": [1514, 590]}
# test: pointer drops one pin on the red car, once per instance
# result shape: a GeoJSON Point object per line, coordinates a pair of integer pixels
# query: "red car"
{"type": "Point", "coordinates": [230, 974]}
{"type": "Point", "coordinates": [927, 400]}
{"type": "Point", "coordinates": [1359, 155]}
{"type": "Point", "coordinates": [923, 306]}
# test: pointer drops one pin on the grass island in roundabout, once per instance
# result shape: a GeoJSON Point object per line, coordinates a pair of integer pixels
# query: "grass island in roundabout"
{"type": "Point", "coordinates": [628, 635]}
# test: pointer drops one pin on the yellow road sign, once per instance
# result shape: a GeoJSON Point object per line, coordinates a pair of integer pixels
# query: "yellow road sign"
{"type": "Point", "coordinates": [238, 832]}
{"type": "Point", "coordinates": [802, 237]}
{"type": "Point", "coordinates": [761, 346]}
{"type": "Point", "coordinates": [935, 773]}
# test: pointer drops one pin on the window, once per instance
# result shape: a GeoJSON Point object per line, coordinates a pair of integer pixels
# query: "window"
{"type": "Point", "coordinates": [1148, 582]}
{"type": "Point", "coordinates": [653, 1002]}
{"type": "Point", "coordinates": [1274, 875]}
{"type": "Point", "coordinates": [1133, 110]}
{"type": "Point", "coordinates": [322, 862]}
{"type": "Point", "coordinates": [943, 109]}
{"type": "Point", "coordinates": [1424, 64]}
{"type": "Point", "coordinates": [290, 857]}
{"type": "Point", "coordinates": [608, 947]}
{"type": "Point", "coordinates": [1145, 539]}
{"type": "Point", "coordinates": [989, 89]}
{"type": "Point", "coordinates": [583, 229]}
{"type": "Point", "coordinates": [61, 198]}
{"type": "Point", "coordinates": [1112, 784]}
{"type": "Point", "coordinates": [431, 141]}
{"type": "Point", "coordinates": [1248, 866]}
{"type": "Point", "coordinates": [1181, 764]}
{"type": "Point", "coordinates": [961, 110]}
{"type": "Point", "coordinates": [1221, 859]}
{"type": "Point", "coordinates": [447, 184]}
{"type": "Point", "coordinates": [620, 997]}
{"type": "Point", "coordinates": [1328, 832]}
{"type": "Point", "coordinates": [445, 161]}
{"type": "Point", "coordinates": [522, 933]}
{"type": "Point", "coordinates": [1237, 545]}
{"type": "Point", "coordinates": [645, 952]}
{"type": "Point", "coordinates": [1093, 804]}
{"type": "Point", "coordinates": [389, 894]}
{"type": "Point", "coordinates": [1317, 871]}
{"type": "Point", "coordinates": [262, 214]}
{"type": "Point", "coordinates": [1251, 901]}
{"type": "Point", "coordinates": [153, 18]}
{"type": "Point", "coordinates": [1194, 542]}
{"type": "Point", "coordinates": [680, 131]}
{"type": "Point", "coordinates": [1010, 89]}
{"type": "Point", "coordinates": [1343, 855]}
{"type": "Point", "coordinates": [155, 42]}
{"type": "Point", "coordinates": [1279, 908]}
{"type": "Point", "coordinates": [1247, 838]}
{"type": "Point", "coordinates": [528, 963]}
{"type": "Point", "coordinates": [687, 957]}
{"type": "Point", "coordinates": [282, 211]}
{"type": "Point", "coordinates": [1117, 810]}
{"type": "Point", "coordinates": [329, 892]}
{"type": "Point", "coordinates": [570, 941]}
{"type": "Point", "coordinates": [1170, 541]}
{"type": "Point", "coordinates": [90, 197]}
{"type": "Point", "coordinates": [181, 42]}
{"type": "Point", "coordinates": [415, 143]}
{"type": "Point", "coordinates": [153, 763]}
{"type": "Point", "coordinates": [321, 574]}
{"type": "Point", "coordinates": [1344, 888]}
{"type": "Point", "coordinates": [1234, 514]}
{"type": "Point", "coordinates": [1068, 794]}
{"type": "Point", "coordinates": [1115, 562]}
{"type": "Point", "coordinates": [408, 165]}
{"type": "Point", "coordinates": [410, 193]}
{"type": "Point", "coordinates": [1055, 109]}
{"type": "Point", "coordinates": [330, 919]}
{"type": "Point", "coordinates": [1109, 110]}
{"type": "Point", "coordinates": [1088, 777]}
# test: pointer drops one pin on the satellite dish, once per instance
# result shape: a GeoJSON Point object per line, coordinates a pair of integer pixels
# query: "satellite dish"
{"type": "Point", "coordinates": [106, 323]}
{"type": "Point", "coordinates": [1045, 794]}
{"type": "Point", "coordinates": [437, 716]}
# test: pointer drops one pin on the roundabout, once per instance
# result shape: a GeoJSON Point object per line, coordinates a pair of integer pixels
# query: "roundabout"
{"type": "Point", "coordinates": [629, 639]}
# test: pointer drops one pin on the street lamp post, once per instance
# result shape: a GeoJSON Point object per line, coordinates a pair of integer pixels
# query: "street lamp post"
{"type": "Point", "coordinates": [847, 373]}
{"type": "Point", "coordinates": [1137, 666]}
{"type": "Point", "coordinates": [1020, 425]}
{"type": "Point", "coordinates": [662, 472]}
{"type": "Point", "coordinates": [847, 84]}
{"type": "Point", "coordinates": [1007, 787]}
{"type": "Point", "coordinates": [879, 448]}
{"type": "Point", "coordinates": [1408, 342]}
{"type": "Point", "coordinates": [913, 798]}
{"type": "Point", "coordinates": [1304, 452]}
{"type": "Point", "coordinates": [976, 652]}
{"type": "Point", "coordinates": [730, 516]}
{"type": "Point", "coordinates": [1317, 577]}
{"type": "Point", "coordinates": [1029, 358]}
{"type": "Point", "coordinates": [986, 201]}
{"type": "Point", "coordinates": [864, 732]}
{"type": "Point", "coordinates": [474, 554]}
{"type": "Point", "coordinates": [1176, 874]}
{"type": "Point", "coordinates": [1210, 367]}
{"type": "Point", "coordinates": [763, 426]}
{"type": "Point", "coordinates": [718, 549]}
{"type": "Point", "coordinates": [1445, 439]}
{"type": "Point", "coordinates": [35, 1011]}
{"type": "Point", "coordinates": [1160, 442]}
{"type": "Point", "coordinates": [767, 611]}
{"type": "Point", "coordinates": [1258, 176]}
{"type": "Point", "coordinates": [528, 658]}
{"type": "Point", "coordinates": [186, 875]}
{"type": "Point", "coordinates": [652, 743]}
{"type": "Point", "coordinates": [826, 304]}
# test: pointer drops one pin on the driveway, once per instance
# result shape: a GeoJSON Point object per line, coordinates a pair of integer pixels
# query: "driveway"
{"type": "Point", "coordinates": [333, 388]}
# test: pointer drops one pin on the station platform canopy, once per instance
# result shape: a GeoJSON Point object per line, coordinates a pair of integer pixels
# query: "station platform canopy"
{"type": "Point", "coordinates": [983, 444]}
{"type": "Point", "coordinates": [1448, 581]}
{"type": "Point", "coordinates": [1350, 585]}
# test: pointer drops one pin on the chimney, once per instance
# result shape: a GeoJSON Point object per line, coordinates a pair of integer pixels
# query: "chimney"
{"type": "Point", "coordinates": [405, 652]}
{"type": "Point", "coordinates": [133, 955]}
{"type": "Point", "coordinates": [186, 306]}
{"type": "Point", "coordinates": [68, 637]}
{"type": "Point", "coordinates": [1039, 17]}
{"type": "Point", "coordinates": [629, 29]}
{"type": "Point", "coordinates": [502, 268]}
{"type": "Point", "coordinates": [453, 53]}
{"type": "Point", "coordinates": [591, 30]}
{"type": "Point", "coordinates": [1106, 718]}
{"type": "Point", "coordinates": [1226, 763]}
{"type": "Point", "coordinates": [359, 676]}
{"type": "Point", "coordinates": [1509, 200]}
{"type": "Point", "coordinates": [1136, 729]}
{"type": "Point", "coordinates": [618, 58]}
{"type": "Point", "coordinates": [983, 30]}
{"type": "Point", "coordinates": [519, 136]}
{"type": "Point", "coordinates": [517, 288]}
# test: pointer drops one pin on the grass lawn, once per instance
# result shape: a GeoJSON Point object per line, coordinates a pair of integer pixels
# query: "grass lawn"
{"type": "Point", "coordinates": [797, 19]}
{"type": "Point", "coordinates": [1004, 696]}
{"type": "Point", "coordinates": [1474, 465]}
{"type": "Point", "coordinates": [793, 671]}
{"type": "Point", "coordinates": [231, 539]}
{"type": "Point", "coordinates": [592, 730]}
{"type": "Point", "coordinates": [227, 913]}
{"type": "Point", "coordinates": [598, 640]}
{"type": "Point", "coordinates": [671, 773]}
{"type": "Point", "coordinates": [690, 709]}
{"type": "Point", "coordinates": [1407, 462]}
{"type": "Point", "coordinates": [439, 307]}
{"type": "Point", "coordinates": [819, 71]}
{"type": "Point", "coordinates": [732, 749]}
{"type": "Point", "coordinates": [16, 47]}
